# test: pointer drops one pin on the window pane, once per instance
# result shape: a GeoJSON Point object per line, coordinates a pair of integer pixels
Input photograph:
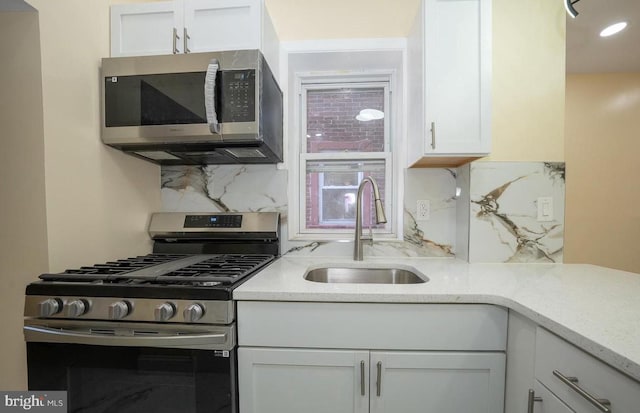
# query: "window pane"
{"type": "Point", "coordinates": [331, 190]}
{"type": "Point", "coordinates": [341, 179]}
{"type": "Point", "coordinates": [345, 120]}
{"type": "Point", "coordinates": [338, 205]}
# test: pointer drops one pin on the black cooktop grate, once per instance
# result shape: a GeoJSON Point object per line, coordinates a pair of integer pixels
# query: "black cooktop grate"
{"type": "Point", "coordinates": [123, 266]}
{"type": "Point", "coordinates": [168, 269]}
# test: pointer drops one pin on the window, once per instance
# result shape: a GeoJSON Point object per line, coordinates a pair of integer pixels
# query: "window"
{"type": "Point", "coordinates": [344, 137]}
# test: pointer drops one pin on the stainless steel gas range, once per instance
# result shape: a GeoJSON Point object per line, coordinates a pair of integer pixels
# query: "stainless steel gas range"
{"type": "Point", "coordinates": [155, 332]}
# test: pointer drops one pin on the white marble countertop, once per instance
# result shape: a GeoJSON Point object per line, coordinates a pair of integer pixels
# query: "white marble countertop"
{"type": "Point", "coordinates": [595, 308]}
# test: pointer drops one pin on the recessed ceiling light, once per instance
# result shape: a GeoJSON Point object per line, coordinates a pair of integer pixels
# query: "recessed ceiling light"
{"type": "Point", "coordinates": [613, 29]}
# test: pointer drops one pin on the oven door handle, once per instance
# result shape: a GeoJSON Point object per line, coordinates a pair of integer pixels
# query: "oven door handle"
{"type": "Point", "coordinates": [207, 340]}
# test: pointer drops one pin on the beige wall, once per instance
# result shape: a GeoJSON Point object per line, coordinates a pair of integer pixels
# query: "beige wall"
{"type": "Point", "coordinates": [528, 61]}
{"type": "Point", "coordinates": [602, 149]}
{"type": "Point", "coordinates": [67, 199]}
{"type": "Point", "coordinates": [98, 199]}
{"type": "Point", "coordinates": [340, 19]}
{"type": "Point", "coordinates": [528, 80]}
{"type": "Point", "coordinates": [23, 238]}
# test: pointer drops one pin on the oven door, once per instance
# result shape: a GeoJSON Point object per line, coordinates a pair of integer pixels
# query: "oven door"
{"type": "Point", "coordinates": [115, 367]}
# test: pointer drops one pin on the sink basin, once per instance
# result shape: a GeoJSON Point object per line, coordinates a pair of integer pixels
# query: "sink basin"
{"type": "Point", "coordinates": [364, 275]}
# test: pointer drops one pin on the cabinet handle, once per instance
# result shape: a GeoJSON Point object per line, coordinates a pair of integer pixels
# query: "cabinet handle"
{"type": "Point", "coordinates": [433, 135]}
{"type": "Point", "coordinates": [362, 384]}
{"type": "Point", "coordinates": [532, 399]}
{"type": "Point", "coordinates": [601, 404]}
{"type": "Point", "coordinates": [379, 380]}
{"type": "Point", "coordinates": [186, 38]}
{"type": "Point", "coordinates": [175, 41]}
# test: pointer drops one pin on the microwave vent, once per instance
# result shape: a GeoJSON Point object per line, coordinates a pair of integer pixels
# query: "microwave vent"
{"type": "Point", "coordinates": [157, 155]}
{"type": "Point", "coordinates": [245, 153]}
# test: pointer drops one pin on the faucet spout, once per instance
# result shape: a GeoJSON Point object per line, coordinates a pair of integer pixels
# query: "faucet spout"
{"type": "Point", "coordinates": [380, 216]}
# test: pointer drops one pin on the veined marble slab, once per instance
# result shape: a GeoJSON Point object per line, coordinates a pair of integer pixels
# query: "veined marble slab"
{"type": "Point", "coordinates": [254, 188]}
{"type": "Point", "coordinates": [224, 188]}
{"type": "Point", "coordinates": [504, 225]}
{"type": "Point", "coordinates": [494, 220]}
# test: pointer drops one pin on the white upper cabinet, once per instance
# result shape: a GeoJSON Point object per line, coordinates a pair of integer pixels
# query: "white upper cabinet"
{"type": "Point", "coordinates": [449, 80]}
{"type": "Point", "coordinates": [145, 28]}
{"type": "Point", "coordinates": [191, 26]}
{"type": "Point", "coordinates": [213, 25]}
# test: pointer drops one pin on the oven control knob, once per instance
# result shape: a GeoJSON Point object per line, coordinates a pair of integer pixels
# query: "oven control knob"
{"type": "Point", "coordinates": [193, 312]}
{"type": "Point", "coordinates": [164, 312]}
{"type": "Point", "coordinates": [76, 308]}
{"type": "Point", "coordinates": [119, 310]}
{"type": "Point", "coordinates": [49, 307]}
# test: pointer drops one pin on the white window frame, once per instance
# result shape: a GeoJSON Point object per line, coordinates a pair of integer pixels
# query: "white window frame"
{"type": "Point", "coordinates": [333, 80]}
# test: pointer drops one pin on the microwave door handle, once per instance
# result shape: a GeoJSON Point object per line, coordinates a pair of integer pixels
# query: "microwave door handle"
{"type": "Point", "coordinates": [210, 96]}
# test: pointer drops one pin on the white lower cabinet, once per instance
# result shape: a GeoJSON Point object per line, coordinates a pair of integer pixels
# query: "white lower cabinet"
{"type": "Point", "coordinates": [348, 357]}
{"type": "Point", "coordinates": [547, 402]}
{"type": "Point", "coordinates": [438, 382]}
{"type": "Point", "coordinates": [301, 380]}
{"type": "Point", "coordinates": [310, 381]}
{"type": "Point", "coordinates": [583, 383]}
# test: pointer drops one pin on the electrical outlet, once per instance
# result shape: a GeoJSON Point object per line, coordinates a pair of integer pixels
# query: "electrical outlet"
{"type": "Point", "coordinates": [423, 210]}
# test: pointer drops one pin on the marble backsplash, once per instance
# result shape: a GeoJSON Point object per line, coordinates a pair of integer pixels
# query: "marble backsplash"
{"type": "Point", "coordinates": [503, 212]}
{"type": "Point", "coordinates": [228, 188]}
{"type": "Point", "coordinates": [492, 220]}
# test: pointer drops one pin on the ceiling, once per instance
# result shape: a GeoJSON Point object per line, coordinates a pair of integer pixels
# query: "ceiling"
{"type": "Point", "coordinates": [587, 52]}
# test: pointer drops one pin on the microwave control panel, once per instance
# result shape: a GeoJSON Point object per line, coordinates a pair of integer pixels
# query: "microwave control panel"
{"type": "Point", "coordinates": [237, 95]}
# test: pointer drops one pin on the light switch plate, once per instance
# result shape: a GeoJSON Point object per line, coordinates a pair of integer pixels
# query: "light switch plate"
{"type": "Point", "coordinates": [545, 209]}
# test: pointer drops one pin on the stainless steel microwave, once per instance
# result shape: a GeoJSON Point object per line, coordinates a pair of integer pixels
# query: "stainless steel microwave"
{"type": "Point", "coordinates": [199, 108]}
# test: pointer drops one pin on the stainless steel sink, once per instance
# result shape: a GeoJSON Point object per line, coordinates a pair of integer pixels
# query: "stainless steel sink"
{"type": "Point", "coordinates": [364, 275]}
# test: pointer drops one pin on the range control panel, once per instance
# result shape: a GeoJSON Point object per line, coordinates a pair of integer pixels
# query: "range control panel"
{"type": "Point", "coordinates": [130, 309]}
{"type": "Point", "coordinates": [213, 221]}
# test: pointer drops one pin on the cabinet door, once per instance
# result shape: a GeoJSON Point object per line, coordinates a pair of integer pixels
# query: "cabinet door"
{"type": "Point", "coordinates": [572, 374]}
{"type": "Point", "coordinates": [438, 382]}
{"type": "Point", "coordinates": [146, 28]}
{"type": "Point", "coordinates": [214, 25]}
{"type": "Point", "coordinates": [549, 403]}
{"type": "Point", "coordinates": [457, 63]}
{"type": "Point", "coordinates": [309, 381]}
